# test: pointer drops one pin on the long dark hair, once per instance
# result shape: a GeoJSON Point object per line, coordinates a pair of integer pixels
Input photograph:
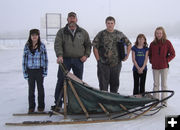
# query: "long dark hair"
{"type": "Point", "coordinates": [30, 44]}
{"type": "Point", "coordinates": [141, 36]}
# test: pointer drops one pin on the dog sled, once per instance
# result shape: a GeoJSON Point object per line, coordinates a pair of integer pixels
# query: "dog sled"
{"type": "Point", "coordinates": [85, 104]}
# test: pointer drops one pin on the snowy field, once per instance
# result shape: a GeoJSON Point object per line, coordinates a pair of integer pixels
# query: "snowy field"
{"type": "Point", "coordinates": [14, 90]}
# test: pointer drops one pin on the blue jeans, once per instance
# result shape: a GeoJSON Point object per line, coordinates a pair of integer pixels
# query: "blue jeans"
{"type": "Point", "coordinates": [77, 67]}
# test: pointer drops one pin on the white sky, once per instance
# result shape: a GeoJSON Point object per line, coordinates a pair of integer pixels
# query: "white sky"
{"type": "Point", "coordinates": [132, 16]}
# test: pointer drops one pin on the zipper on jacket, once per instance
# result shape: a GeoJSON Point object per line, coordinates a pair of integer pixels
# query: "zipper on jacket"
{"type": "Point", "coordinates": [159, 51]}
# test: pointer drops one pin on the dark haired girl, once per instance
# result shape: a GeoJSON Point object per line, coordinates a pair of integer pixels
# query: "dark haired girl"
{"type": "Point", "coordinates": [35, 65]}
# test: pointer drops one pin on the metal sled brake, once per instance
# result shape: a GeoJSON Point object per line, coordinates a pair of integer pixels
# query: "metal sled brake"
{"type": "Point", "coordinates": [84, 104]}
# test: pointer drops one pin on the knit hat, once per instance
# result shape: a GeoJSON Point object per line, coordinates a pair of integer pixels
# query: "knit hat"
{"type": "Point", "coordinates": [34, 31]}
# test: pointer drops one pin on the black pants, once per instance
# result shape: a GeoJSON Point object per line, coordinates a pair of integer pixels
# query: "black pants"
{"type": "Point", "coordinates": [77, 67]}
{"type": "Point", "coordinates": [108, 75]}
{"type": "Point", "coordinates": [139, 82]}
{"type": "Point", "coordinates": [35, 76]}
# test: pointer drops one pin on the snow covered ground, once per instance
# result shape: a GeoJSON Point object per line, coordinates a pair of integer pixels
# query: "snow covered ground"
{"type": "Point", "coordinates": [14, 90]}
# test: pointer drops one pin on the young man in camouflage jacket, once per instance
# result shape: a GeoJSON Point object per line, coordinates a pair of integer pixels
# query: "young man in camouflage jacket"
{"type": "Point", "coordinates": [105, 49]}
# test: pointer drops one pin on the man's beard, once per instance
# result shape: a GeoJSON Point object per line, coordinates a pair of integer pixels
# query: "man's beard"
{"type": "Point", "coordinates": [72, 24]}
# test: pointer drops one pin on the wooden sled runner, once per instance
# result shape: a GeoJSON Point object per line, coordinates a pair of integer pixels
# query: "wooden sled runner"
{"type": "Point", "coordinates": [84, 104]}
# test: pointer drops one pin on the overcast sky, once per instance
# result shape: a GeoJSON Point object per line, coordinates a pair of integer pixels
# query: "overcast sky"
{"type": "Point", "coordinates": [132, 16]}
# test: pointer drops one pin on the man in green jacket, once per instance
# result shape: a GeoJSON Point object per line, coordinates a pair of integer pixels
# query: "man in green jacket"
{"type": "Point", "coordinates": [72, 47]}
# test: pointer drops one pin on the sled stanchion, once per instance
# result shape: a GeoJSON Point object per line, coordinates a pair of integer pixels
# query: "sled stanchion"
{"type": "Point", "coordinates": [123, 107]}
{"type": "Point", "coordinates": [78, 99]}
{"type": "Point", "coordinates": [65, 98]}
{"type": "Point", "coordinates": [104, 109]}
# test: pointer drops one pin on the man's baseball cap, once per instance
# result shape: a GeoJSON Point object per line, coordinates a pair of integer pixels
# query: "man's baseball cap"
{"type": "Point", "coordinates": [71, 14]}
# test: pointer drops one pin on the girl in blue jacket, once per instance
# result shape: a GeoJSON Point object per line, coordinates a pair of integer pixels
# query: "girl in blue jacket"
{"type": "Point", "coordinates": [35, 64]}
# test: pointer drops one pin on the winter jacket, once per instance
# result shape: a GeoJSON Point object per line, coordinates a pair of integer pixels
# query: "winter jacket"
{"type": "Point", "coordinates": [36, 60]}
{"type": "Point", "coordinates": [161, 54]}
{"type": "Point", "coordinates": [107, 45]}
{"type": "Point", "coordinates": [70, 46]}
